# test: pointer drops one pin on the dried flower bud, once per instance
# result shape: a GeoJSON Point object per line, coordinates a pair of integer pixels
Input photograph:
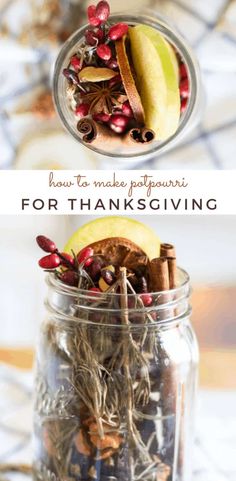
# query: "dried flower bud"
{"type": "Point", "coordinates": [85, 256]}
{"type": "Point", "coordinates": [46, 244]}
{"type": "Point", "coordinates": [70, 278]}
{"type": "Point", "coordinates": [102, 10]}
{"type": "Point", "coordinates": [112, 63]}
{"type": "Point", "coordinates": [92, 38]}
{"type": "Point", "coordinates": [118, 123]}
{"type": "Point", "coordinates": [126, 109]}
{"type": "Point", "coordinates": [104, 51]}
{"type": "Point", "coordinates": [184, 88]}
{"type": "Point", "coordinates": [108, 276]}
{"type": "Point", "coordinates": [92, 18]}
{"type": "Point", "coordinates": [82, 110]}
{"type": "Point", "coordinates": [101, 117]}
{"type": "Point", "coordinates": [147, 299]}
{"type": "Point", "coordinates": [71, 75]}
{"type": "Point", "coordinates": [51, 261]}
{"type": "Point", "coordinates": [184, 103]}
{"type": "Point", "coordinates": [183, 71]}
{"type": "Point", "coordinates": [76, 62]}
{"type": "Point", "coordinates": [117, 31]}
{"type": "Point", "coordinates": [94, 270]}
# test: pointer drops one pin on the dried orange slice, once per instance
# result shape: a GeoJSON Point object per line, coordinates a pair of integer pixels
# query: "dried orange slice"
{"type": "Point", "coordinates": [115, 227]}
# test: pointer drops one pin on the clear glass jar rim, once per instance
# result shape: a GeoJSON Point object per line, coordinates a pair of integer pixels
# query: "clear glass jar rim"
{"type": "Point", "coordinates": [64, 289]}
{"type": "Point", "coordinates": [172, 306]}
{"type": "Point", "coordinates": [174, 38]}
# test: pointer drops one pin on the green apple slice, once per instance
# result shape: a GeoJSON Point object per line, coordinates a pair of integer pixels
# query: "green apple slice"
{"type": "Point", "coordinates": [156, 79]}
{"type": "Point", "coordinates": [174, 61]}
{"type": "Point", "coordinates": [107, 227]}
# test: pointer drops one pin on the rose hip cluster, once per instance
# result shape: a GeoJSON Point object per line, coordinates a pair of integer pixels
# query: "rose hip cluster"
{"type": "Point", "coordinates": [102, 274]}
{"type": "Point", "coordinates": [69, 274]}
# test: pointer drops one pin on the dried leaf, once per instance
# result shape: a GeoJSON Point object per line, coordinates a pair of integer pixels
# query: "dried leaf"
{"type": "Point", "coordinates": [96, 74]}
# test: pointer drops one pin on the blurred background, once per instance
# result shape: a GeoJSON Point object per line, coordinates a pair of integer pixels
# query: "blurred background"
{"type": "Point", "coordinates": [205, 248]}
{"type": "Point", "coordinates": [31, 33]}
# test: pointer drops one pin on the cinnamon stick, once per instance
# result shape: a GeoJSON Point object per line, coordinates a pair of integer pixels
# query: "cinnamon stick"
{"type": "Point", "coordinates": [159, 274]}
{"type": "Point", "coordinates": [97, 134]}
{"type": "Point", "coordinates": [141, 135]}
{"type": "Point", "coordinates": [172, 268]}
{"type": "Point", "coordinates": [167, 250]}
{"type": "Point", "coordinates": [102, 136]}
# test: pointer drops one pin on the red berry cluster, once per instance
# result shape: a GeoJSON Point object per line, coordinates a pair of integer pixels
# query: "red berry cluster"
{"type": "Point", "coordinates": [99, 40]}
{"type": "Point", "coordinates": [184, 87]}
{"type": "Point", "coordinates": [69, 274]}
{"type": "Point", "coordinates": [97, 17]}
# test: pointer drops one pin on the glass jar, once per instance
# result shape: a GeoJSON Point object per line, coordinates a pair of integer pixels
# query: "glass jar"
{"type": "Point", "coordinates": [115, 386]}
{"type": "Point", "coordinates": [126, 154]}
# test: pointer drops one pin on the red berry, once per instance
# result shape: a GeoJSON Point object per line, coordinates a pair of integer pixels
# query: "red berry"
{"type": "Point", "coordinates": [99, 34]}
{"type": "Point", "coordinates": [184, 103]}
{"type": "Point", "coordinates": [68, 258]}
{"type": "Point", "coordinates": [102, 10]}
{"type": "Point", "coordinates": [93, 20]}
{"type": "Point", "coordinates": [85, 256]}
{"type": "Point", "coordinates": [101, 117]}
{"type": "Point", "coordinates": [126, 109]}
{"type": "Point", "coordinates": [71, 75]}
{"type": "Point", "coordinates": [50, 262]}
{"type": "Point", "coordinates": [147, 299]}
{"type": "Point", "coordinates": [94, 291]}
{"type": "Point", "coordinates": [115, 80]}
{"type": "Point", "coordinates": [118, 123]}
{"type": "Point", "coordinates": [76, 62]}
{"type": "Point", "coordinates": [183, 71]}
{"type": "Point", "coordinates": [103, 51]}
{"type": "Point", "coordinates": [82, 110]}
{"type": "Point", "coordinates": [90, 37]}
{"type": "Point", "coordinates": [93, 37]}
{"type": "Point", "coordinates": [46, 244]}
{"type": "Point", "coordinates": [112, 63]}
{"type": "Point", "coordinates": [117, 31]}
{"type": "Point", "coordinates": [70, 277]}
{"type": "Point", "coordinates": [131, 302]}
{"type": "Point", "coordinates": [184, 88]}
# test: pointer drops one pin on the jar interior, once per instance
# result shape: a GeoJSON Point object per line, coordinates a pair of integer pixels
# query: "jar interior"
{"type": "Point", "coordinates": [113, 400]}
{"type": "Point", "coordinates": [131, 149]}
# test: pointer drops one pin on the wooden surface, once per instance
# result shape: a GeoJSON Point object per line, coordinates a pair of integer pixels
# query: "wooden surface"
{"type": "Point", "coordinates": [214, 320]}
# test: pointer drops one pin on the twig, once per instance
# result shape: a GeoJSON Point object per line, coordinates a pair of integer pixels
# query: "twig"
{"type": "Point", "coordinates": [16, 468]}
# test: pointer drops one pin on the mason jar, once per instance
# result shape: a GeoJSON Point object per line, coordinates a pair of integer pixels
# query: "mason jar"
{"type": "Point", "coordinates": [126, 154]}
{"type": "Point", "coordinates": [115, 386]}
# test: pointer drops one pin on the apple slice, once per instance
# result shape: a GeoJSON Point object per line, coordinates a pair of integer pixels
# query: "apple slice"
{"type": "Point", "coordinates": [128, 80]}
{"type": "Point", "coordinates": [141, 235]}
{"type": "Point", "coordinates": [156, 79]}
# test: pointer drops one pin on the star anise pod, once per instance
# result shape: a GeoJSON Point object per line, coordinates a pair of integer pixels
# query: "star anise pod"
{"type": "Point", "coordinates": [103, 97]}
